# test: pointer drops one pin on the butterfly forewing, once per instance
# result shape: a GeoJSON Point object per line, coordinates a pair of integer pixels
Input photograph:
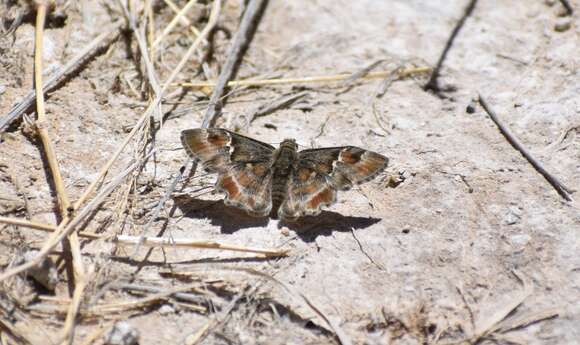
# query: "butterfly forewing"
{"type": "Point", "coordinates": [243, 165]}
{"type": "Point", "coordinates": [347, 166]}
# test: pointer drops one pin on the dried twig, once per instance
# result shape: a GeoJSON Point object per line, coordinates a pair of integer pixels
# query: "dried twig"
{"type": "Point", "coordinates": [280, 102]}
{"type": "Point", "coordinates": [179, 17]}
{"type": "Point", "coordinates": [183, 296]}
{"type": "Point", "coordinates": [201, 244]}
{"type": "Point", "coordinates": [433, 83]}
{"type": "Point", "coordinates": [149, 68]}
{"type": "Point", "coordinates": [567, 6]}
{"type": "Point", "coordinates": [153, 242]}
{"type": "Point", "coordinates": [99, 44]}
{"type": "Point", "coordinates": [316, 79]}
{"type": "Point", "coordinates": [558, 186]}
{"type": "Point", "coordinates": [241, 41]}
{"type": "Point", "coordinates": [63, 200]}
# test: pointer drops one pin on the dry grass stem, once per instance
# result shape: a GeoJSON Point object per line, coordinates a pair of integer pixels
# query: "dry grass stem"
{"type": "Point", "coordinates": [184, 20]}
{"type": "Point", "coordinates": [199, 334]}
{"type": "Point", "coordinates": [63, 200]}
{"type": "Point", "coordinates": [200, 244]}
{"type": "Point", "coordinates": [492, 323]}
{"type": "Point", "coordinates": [212, 22]}
{"type": "Point", "coordinates": [177, 18]}
{"type": "Point", "coordinates": [27, 223]}
{"type": "Point", "coordinates": [305, 80]}
{"type": "Point", "coordinates": [154, 242]}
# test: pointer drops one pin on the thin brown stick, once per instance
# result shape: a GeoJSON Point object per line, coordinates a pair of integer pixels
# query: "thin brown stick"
{"type": "Point", "coordinates": [556, 184]}
{"type": "Point", "coordinates": [568, 7]}
{"type": "Point", "coordinates": [433, 83]}
{"type": "Point", "coordinates": [97, 45]}
{"type": "Point", "coordinates": [306, 80]}
{"type": "Point", "coordinates": [241, 41]}
{"type": "Point", "coordinates": [278, 103]}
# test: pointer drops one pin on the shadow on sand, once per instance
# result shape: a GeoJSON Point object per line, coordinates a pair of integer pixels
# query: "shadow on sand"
{"type": "Point", "coordinates": [231, 219]}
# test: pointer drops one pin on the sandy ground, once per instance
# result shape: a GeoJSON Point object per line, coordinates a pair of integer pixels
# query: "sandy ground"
{"type": "Point", "coordinates": [473, 241]}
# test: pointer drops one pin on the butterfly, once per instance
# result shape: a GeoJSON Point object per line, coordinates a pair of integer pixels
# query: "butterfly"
{"type": "Point", "coordinates": [262, 179]}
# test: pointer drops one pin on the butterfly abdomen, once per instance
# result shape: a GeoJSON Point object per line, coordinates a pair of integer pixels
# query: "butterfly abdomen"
{"type": "Point", "coordinates": [284, 159]}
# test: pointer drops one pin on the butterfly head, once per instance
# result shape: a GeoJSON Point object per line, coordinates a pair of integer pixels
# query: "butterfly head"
{"type": "Point", "coordinates": [289, 144]}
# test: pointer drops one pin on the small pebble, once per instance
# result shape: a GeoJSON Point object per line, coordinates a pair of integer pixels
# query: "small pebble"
{"type": "Point", "coordinates": [550, 2]}
{"type": "Point", "coordinates": [285, 231]}
{"type": "Point", "coordinates": [45, 273]}
{"type": "Point", "coordinates": [470, 109]}
{"type": "Point", "coordinates": [166, 309]}
{"type": "Point", "coordinates": [511, 217]}
{"type": "Point", "coordinates": [122, 333]}
{"type": "Point", "coordinates": [520, 240]}
{"type": "Point", "coordinates": [563, 24]}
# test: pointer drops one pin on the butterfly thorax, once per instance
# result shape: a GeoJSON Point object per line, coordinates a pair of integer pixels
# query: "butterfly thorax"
{"type": "Point", "coordinates": [284, 159]}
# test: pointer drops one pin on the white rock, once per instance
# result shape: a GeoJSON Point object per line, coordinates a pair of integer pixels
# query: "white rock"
{"type": "Point", "coordinates": [122, 333]}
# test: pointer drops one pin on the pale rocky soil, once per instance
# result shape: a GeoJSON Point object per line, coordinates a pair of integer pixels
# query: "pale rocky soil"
{"type": "Point", "coordinates": [471, 229]}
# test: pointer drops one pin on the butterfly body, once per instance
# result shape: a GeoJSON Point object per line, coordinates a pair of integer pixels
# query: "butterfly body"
{"type": "Point", "coordinates": [261, 179]}
{"type": "Point", "coordinates": [283, 161]}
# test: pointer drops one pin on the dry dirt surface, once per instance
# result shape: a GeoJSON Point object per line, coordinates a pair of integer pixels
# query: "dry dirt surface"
{"type": "Point", "coordinates": [460, 241]}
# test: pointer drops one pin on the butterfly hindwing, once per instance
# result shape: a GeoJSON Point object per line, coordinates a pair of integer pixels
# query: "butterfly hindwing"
{"type": "Point", "coordinates": [308, 191]}
{"type": "Point", "coordinates": [243, 165]}
{"type": "Point", "coordinates": [319, 173]}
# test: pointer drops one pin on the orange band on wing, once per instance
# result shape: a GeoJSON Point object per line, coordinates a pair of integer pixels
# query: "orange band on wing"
{"type": "Point", "coordinates": [324, 197]}
{"type": "Point", "coordinates": [230, 186]}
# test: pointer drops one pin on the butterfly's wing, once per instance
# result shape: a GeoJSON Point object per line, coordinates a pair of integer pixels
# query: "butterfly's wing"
{"type": "Point", "coordinates": [243, 166]}
{"type": "Point", "coordinates": [319, 173]}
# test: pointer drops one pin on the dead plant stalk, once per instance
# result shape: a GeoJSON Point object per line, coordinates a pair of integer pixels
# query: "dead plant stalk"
{"type": "Point", "coordinates": [63, 200]}
{"type": "Point", "coordinates": [304, 80]}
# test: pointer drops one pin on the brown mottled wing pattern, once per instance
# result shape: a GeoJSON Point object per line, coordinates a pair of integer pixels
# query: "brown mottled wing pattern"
{"type": "Point", "coordinates": [243, 166]}
{"type": "Point", "coordinates": [319, 173]}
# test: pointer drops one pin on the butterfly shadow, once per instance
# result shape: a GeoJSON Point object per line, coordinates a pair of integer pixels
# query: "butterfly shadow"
{"type": "Point", "coordinates": [310, 227]}
{"type": "Point", "coordinates": [229, 219]}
